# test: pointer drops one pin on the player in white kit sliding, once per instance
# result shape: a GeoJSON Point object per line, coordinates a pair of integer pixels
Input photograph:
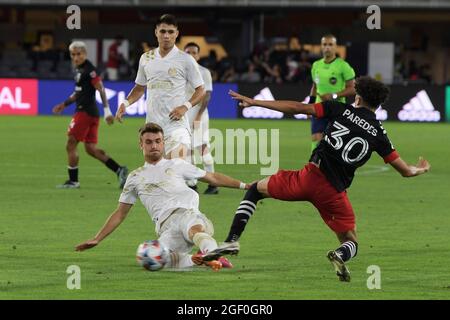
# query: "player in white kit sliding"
{"type": "Point", "coordinates": [165, 71]}
{"type": "Point", "coordinates": [171, 204]}
{"type": "Point", "coordinates": [199, 118]}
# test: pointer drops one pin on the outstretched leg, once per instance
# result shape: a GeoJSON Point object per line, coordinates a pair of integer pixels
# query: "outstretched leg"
{"type": "Point", "coordinates": [244, 212]}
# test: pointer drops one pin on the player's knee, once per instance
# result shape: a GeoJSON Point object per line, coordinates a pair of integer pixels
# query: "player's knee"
{"type": "Point", "coordinates": [253, 194]}
{"type": "Point", "coordinates": [198, 228]}
{"type": "Point", "coordinates": [71, 143]}
{"type": "Point", "coordinates": [90, 150]}
{"type": "Point", "coordinates": [208, 159]}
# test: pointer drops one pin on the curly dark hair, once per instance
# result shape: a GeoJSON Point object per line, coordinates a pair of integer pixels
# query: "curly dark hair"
{"type": "Point", "coordinates": [373, 92]}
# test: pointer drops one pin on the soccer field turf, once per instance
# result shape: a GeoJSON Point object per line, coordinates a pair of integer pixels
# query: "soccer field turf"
{"type": "Point", "coordinates": [403, 224]}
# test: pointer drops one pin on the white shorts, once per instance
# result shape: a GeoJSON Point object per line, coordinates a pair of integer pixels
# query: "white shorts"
{"type": "Point", "coordinates": [176, 139]}
{"type": "Point", "coordinates": [174, 231]}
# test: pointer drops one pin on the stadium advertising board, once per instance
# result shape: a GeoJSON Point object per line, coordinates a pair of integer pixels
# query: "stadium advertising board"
{"type": "Point", "coordinates": [18, 96]}
{"type": "Point", "coordinates": [52, 92]}
{"type": "Point", "coordinates": [413, 103]}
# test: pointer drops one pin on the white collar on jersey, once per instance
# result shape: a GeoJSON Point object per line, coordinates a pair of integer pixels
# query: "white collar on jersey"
{"type": "Point", "coordinates": [171, 53]}
{"type": "Point", "coordinates": [159, 163]}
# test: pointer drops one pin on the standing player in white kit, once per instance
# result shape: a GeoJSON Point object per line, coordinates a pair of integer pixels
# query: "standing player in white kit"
{"type": "Point", "coordinates": [166, 71]}
{"type": "Point", "coordinates": [199, 118]}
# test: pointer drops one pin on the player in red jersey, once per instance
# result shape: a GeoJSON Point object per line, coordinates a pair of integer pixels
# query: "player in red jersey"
{"type": "Point", "coordinates": [85, 122]}
{"type": "Point", "coordinates": [349, 140]}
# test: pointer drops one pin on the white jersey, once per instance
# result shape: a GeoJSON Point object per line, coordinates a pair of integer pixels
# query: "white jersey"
{"type": "Point", "coordinates": [207, 79]}
{"type": "Point", "coordinates": [162, 188]}
{"type": "Point", "coordinates": [166, 79]}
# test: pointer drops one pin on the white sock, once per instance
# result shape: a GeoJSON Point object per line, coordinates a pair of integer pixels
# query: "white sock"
{"type": "Point", "coordinates": [204, 241]}
{"type": "Point", "coordinates": [179, 260]}
{"type": "Point", "coordinates": [208, 162]}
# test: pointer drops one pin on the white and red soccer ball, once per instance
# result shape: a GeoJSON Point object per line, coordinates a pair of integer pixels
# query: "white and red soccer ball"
{"type": "Point", "coordinates": [152, 255]}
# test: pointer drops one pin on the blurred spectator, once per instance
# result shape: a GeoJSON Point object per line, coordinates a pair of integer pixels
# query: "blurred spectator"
{"type": "Point", "coordinates": [230, 75]}
{"type": "Point", "coordinates": [293, 70]}
{"type": "Point", "coordinates": [273, 74]}
{"type": "Point", "coordinates": [304, 67]}
{"type": "Point", "coordinates": [424, 73]}
{"type": "Point", "coordinates": [413, 71]}
{"type": "Point", "coordinates": [251, 75]}
{"type": "Point", "coordinates": [214, 75]}
{"type": "Point", "coordinates": [114, 59]}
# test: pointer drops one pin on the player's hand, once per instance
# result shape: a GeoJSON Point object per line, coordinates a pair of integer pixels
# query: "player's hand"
{"type": "Point", "coordinates": [58, 108]}
{"type": "Point", "coordinates": [423, 164]}
{"type": "Point", "coordinates": [243, 100]}
{"type": "Point", "coordinates": [120, 112]}
{"type": "Point", "coordinates": [109, 119]}
{"type": "Point", "coordinates": [178, 113]}
{"type": "Point", "coordinates": [326, 97]}
{"type": "Point", "coordinates": [86, 245]}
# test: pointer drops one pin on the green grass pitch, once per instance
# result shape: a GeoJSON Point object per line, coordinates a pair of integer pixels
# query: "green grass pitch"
{"type": "Point", "coordinates": [403, 224]}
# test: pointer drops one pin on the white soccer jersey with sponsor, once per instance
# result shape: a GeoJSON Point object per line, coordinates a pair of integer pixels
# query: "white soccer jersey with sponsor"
{"type": "Point", "coordinates": [166, 79]}
{"type": "Point", "coordinates": [192, 113]}
{"type": "Point", "coordinates": [162, 188]}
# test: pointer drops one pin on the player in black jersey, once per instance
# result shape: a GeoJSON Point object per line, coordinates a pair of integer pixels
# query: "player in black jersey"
{"type": "Point", "coordinates": [85, 122]}
{"type": "Point", "coordinates": [350, 138]}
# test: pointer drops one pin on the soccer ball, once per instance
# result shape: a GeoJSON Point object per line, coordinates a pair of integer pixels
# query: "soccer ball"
{"type": "Point", "coordinates": [152, 255]}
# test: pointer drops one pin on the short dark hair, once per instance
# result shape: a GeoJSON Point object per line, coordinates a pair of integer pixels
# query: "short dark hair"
{"type": "Point", "coordinates": [329, 35]}
{"type": "Point", "coordinates": [150, 127]}
{"type": "Point", "coordinates": [373, 92]}
{"type": "Point", "coordinates": [192, 44]}
{"type": "Point", "coordinates": [167, 19]}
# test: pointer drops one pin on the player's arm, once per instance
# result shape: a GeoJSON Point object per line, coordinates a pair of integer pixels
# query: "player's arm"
{"type": "Point", "coordinates": [286, 106]}
{"type": "Point", "coordinates": [109, 118]}
{"type": "Point", "coordinates": [220, 180]}
{"type": "Point", "coordinates": [203, 105]}
{"type": "Point", "coordinates": [114, 220]}
{"type": "Point", "coordinates": [407, 170]}
{"type": "Point", "coordinates": [348, 91]}
{"type": "Point", "coordinates": [135, 94]}
{"type": "Point", "coordinates": [313, 93]}
{"type": "Point", "coordinates": [61, 106]}
{"type": "Point", "coordinates": [178, 112]}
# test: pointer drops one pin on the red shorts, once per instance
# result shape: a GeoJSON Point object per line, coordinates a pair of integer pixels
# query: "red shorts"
{"type": "Point", "coordinates": [84, 127]}
{"type": "Point", "coordinates": [310, 184]}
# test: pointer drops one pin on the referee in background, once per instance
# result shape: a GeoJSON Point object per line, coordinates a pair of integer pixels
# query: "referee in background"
{"type": "Point", "coordinates": [333, 79]}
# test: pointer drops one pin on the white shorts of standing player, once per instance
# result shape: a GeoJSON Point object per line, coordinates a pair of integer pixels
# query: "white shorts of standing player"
{"type": "Point", "coordinates": [179, 142]}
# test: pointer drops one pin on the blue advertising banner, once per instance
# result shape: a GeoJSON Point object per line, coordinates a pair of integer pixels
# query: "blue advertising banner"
{"type": "Point", "coordinates": [52, 92]}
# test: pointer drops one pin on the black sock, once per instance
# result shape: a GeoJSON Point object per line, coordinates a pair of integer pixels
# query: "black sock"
{"type": "Point", "coordinates": [347, 250]}
{"type": "Point", "coordinates": [73, 173]}
{"type": "Point", "coordinates": [243, 213]}
{"type": "Point", "coordinates": [111, 164]}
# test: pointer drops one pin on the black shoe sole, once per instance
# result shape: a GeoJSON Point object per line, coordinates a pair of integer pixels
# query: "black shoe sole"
{"type": "Point", "coordinates": [342, 271]}
{"type": "Point", "coordinates": [217, 253]}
